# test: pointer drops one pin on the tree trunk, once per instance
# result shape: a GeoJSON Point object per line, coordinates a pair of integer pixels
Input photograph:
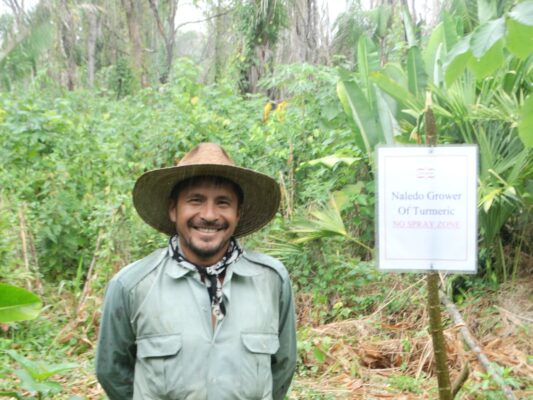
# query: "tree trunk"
{"type": "Point", "coordinates": [111, 26]}
{"type": "Point", "coordinates": [439, 344]}
{"type": "Point", "coordinates": [259, 41]}
{"type": "Point", "coordinates": [168, 34]}
{"type": "Point", "coordinates": [68, 41]}
{"type": "Point", "coordinates": [91, 45]}
{"type": "Point", "coordinates": [435, 322]}
{"type": "Point", "coordinates": [134, 33]}
{"type": "Point", "coordinates": [311, 32]}
{"type": "Point", "coordinates": [169, 60]}
{"type": "Point", "coordinates": [218, 44]}
{"type": "Point", "coordinates": [261, 64]}
{"type": "Point", "coordinates": [18, 12]}
{"type": "Point", "coordinates": [307, 38]}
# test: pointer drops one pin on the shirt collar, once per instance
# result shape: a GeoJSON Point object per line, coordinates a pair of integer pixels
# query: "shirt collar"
{"type": "Point", "coordinates": [178, 270]}
{"type": "Point", "coordinates": [246, 268]}
{"type": "Point", "coordinates": [175, 269]}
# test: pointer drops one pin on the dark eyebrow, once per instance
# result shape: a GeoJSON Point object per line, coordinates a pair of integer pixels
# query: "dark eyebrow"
{"type": "Point", "coordinates": [194, 194]}
{"type": "Point", "coordinates": [224, 197]}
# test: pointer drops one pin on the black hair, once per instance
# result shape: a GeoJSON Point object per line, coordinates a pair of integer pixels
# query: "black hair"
{"type": "Point", "coordinates": [213, 179]}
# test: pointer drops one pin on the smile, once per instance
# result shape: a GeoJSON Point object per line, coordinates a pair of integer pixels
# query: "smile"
{"type": "Point", "coordinates": [208, 230]}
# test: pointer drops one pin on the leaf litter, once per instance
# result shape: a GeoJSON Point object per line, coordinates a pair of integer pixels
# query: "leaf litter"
{"type": "Point", "coordinates": [365, 355]}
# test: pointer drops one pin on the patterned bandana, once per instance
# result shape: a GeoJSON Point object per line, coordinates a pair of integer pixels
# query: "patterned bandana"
{"type": "Point", "coordinates": [210, 275]}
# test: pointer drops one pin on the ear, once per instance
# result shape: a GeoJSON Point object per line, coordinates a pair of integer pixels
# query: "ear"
{"type": "Point", "coordinates": [172, 213]}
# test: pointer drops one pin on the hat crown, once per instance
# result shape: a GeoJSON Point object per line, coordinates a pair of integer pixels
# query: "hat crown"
{"type": "Point", "coordinates": [206, 153]}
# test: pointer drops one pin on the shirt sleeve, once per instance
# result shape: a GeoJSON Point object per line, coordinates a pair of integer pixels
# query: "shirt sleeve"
{"type": "Point", "coordinates": [284, 361]}
{"type": "Point", "coordinates": [116, 349]}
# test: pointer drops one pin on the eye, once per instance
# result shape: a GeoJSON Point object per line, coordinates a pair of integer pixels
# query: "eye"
{"type": "Point", "coordinates": [224, 202]}
{"type": "Point", "coordinates": [194, 200]}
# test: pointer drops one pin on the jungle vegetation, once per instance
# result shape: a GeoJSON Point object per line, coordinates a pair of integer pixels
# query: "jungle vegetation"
{"type": "Point", "coordinates": [92, 94]}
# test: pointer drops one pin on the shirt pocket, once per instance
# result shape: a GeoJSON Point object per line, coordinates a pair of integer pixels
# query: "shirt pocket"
{"type": "Point", "coordinates": [256, 374]}
{"type": "Point", "coordinates": [156, 357]}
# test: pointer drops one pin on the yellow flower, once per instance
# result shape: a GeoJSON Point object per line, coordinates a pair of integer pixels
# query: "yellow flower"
{"type": "Point", "coordinates": [280, 111]}
{"type": "Point", "coordinates": [266, 111]}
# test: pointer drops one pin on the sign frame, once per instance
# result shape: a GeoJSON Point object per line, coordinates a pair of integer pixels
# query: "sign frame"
{"type": "Point", "coordinates": [426, 220]}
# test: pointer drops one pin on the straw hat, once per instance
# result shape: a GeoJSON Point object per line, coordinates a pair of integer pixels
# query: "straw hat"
{"type": "Point", "coordinates": [151, 194]}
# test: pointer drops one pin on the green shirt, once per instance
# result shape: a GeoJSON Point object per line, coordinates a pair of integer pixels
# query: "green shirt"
{"type": "Point", "coordinates": [157, 339]}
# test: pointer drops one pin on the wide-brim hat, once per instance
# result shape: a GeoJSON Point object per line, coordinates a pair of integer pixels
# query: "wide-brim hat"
{"type": "Point", "coordinates": [152, 191]}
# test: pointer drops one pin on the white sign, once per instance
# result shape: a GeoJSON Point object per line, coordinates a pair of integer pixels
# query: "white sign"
{"type": "Point", "coordinates": [426, 208]}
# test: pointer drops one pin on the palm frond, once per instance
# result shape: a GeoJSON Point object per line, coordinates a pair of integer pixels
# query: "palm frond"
{"type": "Point", "coordinates": [325, 223]}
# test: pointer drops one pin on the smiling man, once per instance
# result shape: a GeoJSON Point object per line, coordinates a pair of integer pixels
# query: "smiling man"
{"type": "Point", "coordinates": [206, 212]}
{"type": "Point", "coordinates": [203, 318]}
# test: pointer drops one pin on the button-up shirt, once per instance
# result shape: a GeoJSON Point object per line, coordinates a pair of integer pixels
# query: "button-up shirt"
{"type": "Point", "coordinates": [157, 340]}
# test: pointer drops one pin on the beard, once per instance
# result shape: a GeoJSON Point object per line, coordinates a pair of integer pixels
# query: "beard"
{"type": "Point", "coordinates": [205, 250]}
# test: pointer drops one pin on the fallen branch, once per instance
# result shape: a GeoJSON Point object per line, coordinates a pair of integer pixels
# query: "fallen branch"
{"type": "Point", "coordinates": [472, 344]}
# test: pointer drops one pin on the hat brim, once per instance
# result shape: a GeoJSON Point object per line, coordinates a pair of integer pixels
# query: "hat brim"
{"type": "Point", "coordinates": [261, 195]}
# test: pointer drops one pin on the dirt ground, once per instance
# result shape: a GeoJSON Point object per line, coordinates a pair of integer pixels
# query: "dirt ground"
{"type": "Point", "coordinates": [384, 357]}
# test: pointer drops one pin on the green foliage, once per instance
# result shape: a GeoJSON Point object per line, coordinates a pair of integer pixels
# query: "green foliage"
{"type": "Point", "coordinates": [20, 56]}
{"type": "Point", "coordinates": [10, 262]}
{"type": "Point", "coordinates": [483, 105]}
{"type": "Point", "coordinates": [261, 21]}
{"type": "Point", "coordinates": [332, 160]}
{"type": "Point", "coordinates": [355, 104]}
{"type": "Point", "coordinates": [69, 160]}
{"type": "Point", "coordinates": [324, 223]}
{"type": "Point", "coordinates": [482, 51]}
{"type": "Point", "coordinates": [519, 24]}
{"type": "Point", "coordinates": [489, 116]}
{"type": "Point", "coordinates": [378, 25]}
{"type": "Point", "coordinates": [487, 386]}
{"type": "Point", "coordinates": [314, 347]}
{"type": "Point", "coordinates": [260, 24]}
{"type": "Point", "coordinates": [121, 79]}
{"type": "Point", "coordinates": [525, 127]}
{"type": "Point", "coordinates": [17, 304]}
{"type": "Point", "coordinates": [35, 377]}
{"type": "Point", "coordinates": [405, 383]}
{"type": "Point", "coordinates": [83, 152]}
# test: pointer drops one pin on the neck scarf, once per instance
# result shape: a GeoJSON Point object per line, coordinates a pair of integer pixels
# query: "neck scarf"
{"type": "Point", "coordinates": [210, 275]}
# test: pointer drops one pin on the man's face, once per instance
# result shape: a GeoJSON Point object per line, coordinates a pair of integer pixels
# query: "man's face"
{"type": "Point", "coordinates": [206, 215]}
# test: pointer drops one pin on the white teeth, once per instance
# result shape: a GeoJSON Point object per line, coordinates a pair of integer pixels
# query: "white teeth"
{"type": "Point", "coordinates": [207, 230]}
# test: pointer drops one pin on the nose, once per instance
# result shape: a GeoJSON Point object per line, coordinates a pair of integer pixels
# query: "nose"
{"type": "Point", "coordinates": [209, 211]}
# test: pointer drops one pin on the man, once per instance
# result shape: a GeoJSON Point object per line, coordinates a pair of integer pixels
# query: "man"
{"type": "Point", "coordinates": [202, 319]}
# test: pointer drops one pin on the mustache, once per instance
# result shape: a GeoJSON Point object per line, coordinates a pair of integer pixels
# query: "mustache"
{"type": "Point", "coordinates": [203, 224]}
